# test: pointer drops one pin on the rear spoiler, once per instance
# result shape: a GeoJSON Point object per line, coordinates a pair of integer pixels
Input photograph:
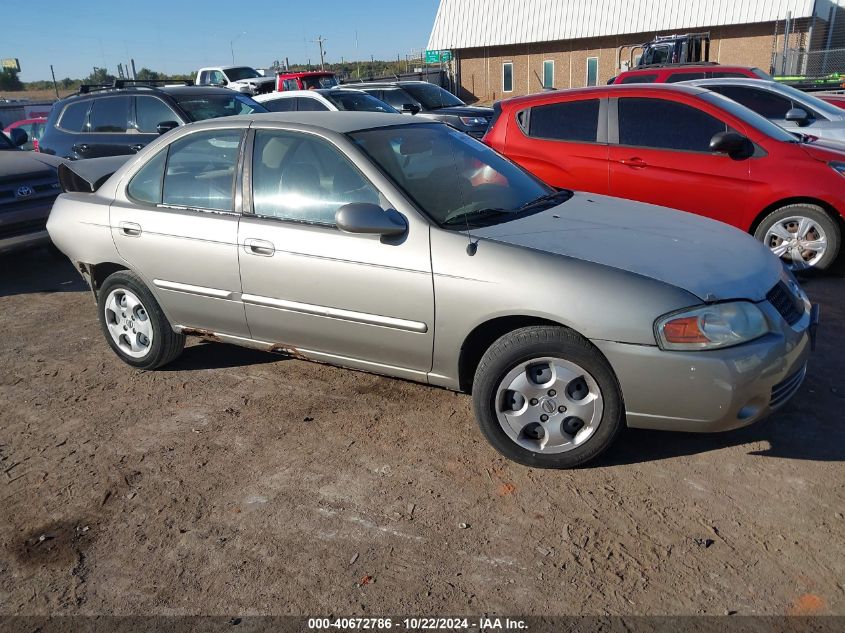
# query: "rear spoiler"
{"type": "Point", "coordinates": [88, 175]}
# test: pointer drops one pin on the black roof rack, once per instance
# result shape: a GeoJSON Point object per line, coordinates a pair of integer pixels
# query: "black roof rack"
{"type": "Point", "coordinates": [673, 65]}
{"type": "Point", "coordinates": [118, 84]}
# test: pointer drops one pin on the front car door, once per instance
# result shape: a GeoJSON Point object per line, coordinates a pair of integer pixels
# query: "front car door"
{"type": "Point", "coordinates": [149, 112]}
{"type": "Point", "coordinates": [660, 153]}
{"type": "Point", "coordinates": [564, 143]}
{"type": "Point", "coordinates": [352, 299]}
{"type": "Point", "coordinates": [175, 222]}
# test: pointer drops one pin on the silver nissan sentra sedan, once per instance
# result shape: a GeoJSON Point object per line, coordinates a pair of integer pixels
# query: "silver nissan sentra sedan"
{"type": "Point", "coordinates": [412, 250]}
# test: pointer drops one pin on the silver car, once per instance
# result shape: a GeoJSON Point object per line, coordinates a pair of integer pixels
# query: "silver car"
{"type": "Point", "coordinates": [786, 106]}
{"type": "Point", "coordinates": [409, 249]}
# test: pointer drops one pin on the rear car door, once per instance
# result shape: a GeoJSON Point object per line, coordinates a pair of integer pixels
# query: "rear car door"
{"type": "Point", "coordinates": [352, 299]}
{"type": "Point", "coordinates": [660, 153]}
{"type": "Point", "coordinates": [107, 132]}
{"type": "Point", "coordinates": [176, 223]}
{"type": "Point", "coordinates": [564, 143]}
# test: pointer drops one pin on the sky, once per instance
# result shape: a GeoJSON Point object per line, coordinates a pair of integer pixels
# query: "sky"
{"type": "Point", "coordinates": [181, 36]}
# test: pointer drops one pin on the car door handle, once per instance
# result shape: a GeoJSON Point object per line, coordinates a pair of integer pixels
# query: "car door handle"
{"type": "Point", "coordinates": [130, 229]}
{"type": "Point", "coordinates": [259, 247]}
{"type": "Point", "coordinates": [634, 163]}
{"type": "Point", "coordinates": [81, 148]}
{"type": "Point", "coordinates": [137, 147]}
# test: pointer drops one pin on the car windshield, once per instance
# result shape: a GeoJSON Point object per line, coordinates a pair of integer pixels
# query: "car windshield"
{"type": "Point", "coordinates": [242, 72]}
{"type": "Point", "coordinates": [431, 96]}
{"type": "Point", "coordinates": [357, 101]}
{"type": "Point", "coordinates": [760, 123]}
{"type": "Point", "coordinates": [324, 81]}
{"type": "Point", "coordinates": [454, 179]}
{"type": "Point", "coordinates": [201, 107]}
{"type": "Point", "coordinates": [761, 74]}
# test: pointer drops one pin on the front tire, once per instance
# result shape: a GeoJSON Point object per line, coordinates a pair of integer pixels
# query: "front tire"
{"type": "Point", "coordinates": [133, 323]}
{"type": "Point", "coordinates": [544, 397]}
{"type": "Point", "coordinates": [804, 236]}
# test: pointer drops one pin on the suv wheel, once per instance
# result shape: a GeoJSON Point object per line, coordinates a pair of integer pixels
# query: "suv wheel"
{"type": "Point", "coordinates": [803, 235]}
{"type": "Point", "coordinates": [134, 324]}
{"type": "Point", "coordinates": [545, 397]}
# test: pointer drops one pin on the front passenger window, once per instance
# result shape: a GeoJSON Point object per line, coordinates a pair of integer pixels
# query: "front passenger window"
{"type": "Point", "coordinates": [305, 179]}
{"type": "Point", "coordinates": [662, 124]}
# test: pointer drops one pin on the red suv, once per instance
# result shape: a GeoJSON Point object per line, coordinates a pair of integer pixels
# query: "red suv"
{"type": "Point", "coordinates": [685, 148]}
{"type": "Point", "coordinates": [673, 73]}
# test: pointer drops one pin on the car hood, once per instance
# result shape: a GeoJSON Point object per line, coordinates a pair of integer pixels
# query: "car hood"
{"type": "Point", "coordinates": [825, 149]}
{"type": "Point", "coordinates": [709, 259]}
{"type": "Point", "coordinates": [464, 111]}
{"type": "Point", "coordinates": [14, 163]}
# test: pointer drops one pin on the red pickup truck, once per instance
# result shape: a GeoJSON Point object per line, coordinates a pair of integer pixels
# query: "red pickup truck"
{"type": "Point", "coordinates": [306, 80]}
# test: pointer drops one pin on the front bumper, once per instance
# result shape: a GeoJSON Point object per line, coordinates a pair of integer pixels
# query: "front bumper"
{"type": "Point", "coordinates": [716, 390]}
{"type": "Point", "coordinates": [25, 225]}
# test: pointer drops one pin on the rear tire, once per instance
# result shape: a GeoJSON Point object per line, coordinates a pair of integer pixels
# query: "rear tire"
{"type": "Point", "coordinates": [803, 235]}
{"type": "Point", "coordinates": [133, 323]}
{"type": "Point", "coordinates": [545, 397]}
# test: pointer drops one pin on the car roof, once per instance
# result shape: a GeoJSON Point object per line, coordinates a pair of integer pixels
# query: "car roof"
{"type": "Point", "coordinates": [553, 96]}
{"type": "Point", "coordinates": [685, 68]}
{"type": "Point", "coordinates": [290, 94]}
{"type": "Point", "coordinates": [371, 84]}
{"type": "Point", "coordinates": [340, 122]}
{"type": "Point", "coordinates": [733, 81]}
{"type": "Point", "coordinates": [169, 90]}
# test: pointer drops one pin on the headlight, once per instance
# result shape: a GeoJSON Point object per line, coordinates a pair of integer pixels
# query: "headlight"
{"type": "Point", "coordinates": [473, 120]}
{"type": "Point", "coordinates": [837, 167]}
{"type": "Point", "coordinates": [711, 327]}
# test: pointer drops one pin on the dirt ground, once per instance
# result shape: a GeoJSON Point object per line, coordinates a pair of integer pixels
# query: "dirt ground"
{"type": "Point", "coordinates": [240, 482]}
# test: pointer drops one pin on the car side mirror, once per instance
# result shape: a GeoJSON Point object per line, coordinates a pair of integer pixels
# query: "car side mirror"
{"type": "Point", "coordinates": [19, 137]}
{"type": "Point", "coordinates": [734, 145]}
{"type": "Point", "coordinates": [364, 217]}
{"type": "Point", "coordinates": [797, 115]}
{"type": "Point", "coordinates": [166, 126]}
{"type": "Point", "coordinates": [410, 107]}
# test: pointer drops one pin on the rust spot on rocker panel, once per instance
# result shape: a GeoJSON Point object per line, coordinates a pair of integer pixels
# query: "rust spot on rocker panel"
{"type": "Point", "coordinates": [287, 350]}
{"type": "Point", "coordinates": [205, 334]}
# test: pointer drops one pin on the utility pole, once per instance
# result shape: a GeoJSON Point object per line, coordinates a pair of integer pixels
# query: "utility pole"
{"type": "Point", "coordinates": [320, 39]}
{"type": "Point", "coordinates": [134, 74]}
{"type": "Point", "coordinates": [55, 85]}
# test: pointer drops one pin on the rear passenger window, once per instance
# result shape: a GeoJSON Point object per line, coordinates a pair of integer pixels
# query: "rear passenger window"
{"type": "Point", "coordinates": [569, 121]}
{"type": "Point", "coordinates": [665, 124]}
{"type": "Point", "coordinates": [279, 105]}
{"type": "Point", "coordinates": [676, 77]}
{"type": "Point", "coordinates": [307, 104]}
{"type": "Point", "coordinates": [145, 185]}
{"type": "Point", "coordinates": [110, 114]}
{"type": "Point", "coordinates": [639, 79]}
{"type": "Point", "coordinates": [201, 170]}
{"type": "Point", "coordinates": [73, 117]}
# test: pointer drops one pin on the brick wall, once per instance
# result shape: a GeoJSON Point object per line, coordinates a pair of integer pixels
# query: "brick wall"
{"type": "Point", "coordinates": [481, 68]}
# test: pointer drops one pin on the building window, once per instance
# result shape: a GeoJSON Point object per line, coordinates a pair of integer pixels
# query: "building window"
{"type": "Point", "coordinates": [507, 77]}
{"type": "Point", "coordinates": [592, 71]}
{"type": "Point", "coordinates": [548, 74]}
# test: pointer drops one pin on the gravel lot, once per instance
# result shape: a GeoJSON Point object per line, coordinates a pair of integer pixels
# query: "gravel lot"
{"type": "Point", "coordinates": [241, 482]}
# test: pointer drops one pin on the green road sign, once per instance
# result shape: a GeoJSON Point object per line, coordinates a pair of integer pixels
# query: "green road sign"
{"type": "Point", "coordinates": [435, 57]}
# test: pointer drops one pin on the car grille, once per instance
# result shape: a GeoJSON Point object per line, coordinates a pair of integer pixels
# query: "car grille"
{"type": "Point", "coordinates": [784, 390]}
{"type": "Point", "coordinates": [22, 228]}
{"type": "Point", "coordinates": [44, 186]}
{"type": "Point", "coordinates": [790, 307]}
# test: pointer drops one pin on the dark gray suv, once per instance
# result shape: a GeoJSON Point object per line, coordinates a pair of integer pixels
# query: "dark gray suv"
{"type": "Point", "coordinates": [433, 102]}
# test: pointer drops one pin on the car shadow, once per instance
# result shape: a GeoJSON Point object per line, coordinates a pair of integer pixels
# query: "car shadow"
{"type": "Point", "coordinates": [38, 270]}
{"type": "Point", "coordinates": [214, 355]}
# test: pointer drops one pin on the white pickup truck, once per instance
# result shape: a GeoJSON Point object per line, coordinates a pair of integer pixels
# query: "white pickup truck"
{"type": "Point", "coordinates": [242, 79]}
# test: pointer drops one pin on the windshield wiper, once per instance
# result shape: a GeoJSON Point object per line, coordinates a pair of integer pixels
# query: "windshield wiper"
{"type": "Point", "coordinates": [485, 214]}
{"type": "Point", "coordinates": [556, 197]}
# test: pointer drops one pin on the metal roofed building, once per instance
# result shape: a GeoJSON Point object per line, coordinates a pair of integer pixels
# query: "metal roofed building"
{"type": "Point", "coordinates": [504, 48]}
